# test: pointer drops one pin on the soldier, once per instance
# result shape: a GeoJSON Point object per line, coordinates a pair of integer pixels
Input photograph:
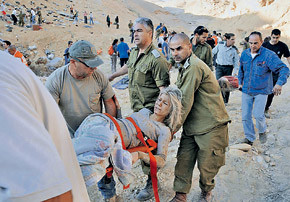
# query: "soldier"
{"type": "Point", "coordinates": [21, 18]}
{"type": "Point", "coordinates": [205, 131]}
{"type": "Point", "coordinates": [199, 46]}
{"type": "Point", "coordinates": [148, 74]}
{"type": "Point", "coordinates": [147, 68]}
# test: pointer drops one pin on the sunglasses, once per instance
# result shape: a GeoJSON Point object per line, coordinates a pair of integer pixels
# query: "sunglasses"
{"type": "Point", "coordinates": [81, 62]}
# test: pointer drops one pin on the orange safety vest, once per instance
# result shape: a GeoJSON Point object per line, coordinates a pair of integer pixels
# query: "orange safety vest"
{"type": "Point", "coordinates": [215, 39]}
{"type": "Point", "coordinates": [145, 148]}
{"type": "Point", "coordinates": [22, 58]}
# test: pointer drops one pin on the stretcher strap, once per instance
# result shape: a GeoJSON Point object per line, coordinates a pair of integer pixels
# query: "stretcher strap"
{"type": "Point", "coordinates": [153, 163]}
{"type": "Point", "coordinates": [118, 129]}
{"type": "Point", "coordinates": [109, 174]}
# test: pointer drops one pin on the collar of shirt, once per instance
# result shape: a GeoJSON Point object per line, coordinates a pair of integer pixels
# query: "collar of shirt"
{"type": "Point", "coordinates": [185, 65]}
{"type": "Point", "coordinates": [148, 49]}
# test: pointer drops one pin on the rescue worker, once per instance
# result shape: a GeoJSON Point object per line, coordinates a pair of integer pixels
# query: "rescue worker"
{"type": "Point", "coordinates": [148, 73]}
{"type": "Point", "coordinates": [204, 118]}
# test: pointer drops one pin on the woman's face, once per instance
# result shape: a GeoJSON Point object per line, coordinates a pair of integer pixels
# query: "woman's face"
{"type": "Point", "coordinates": [162, 105]}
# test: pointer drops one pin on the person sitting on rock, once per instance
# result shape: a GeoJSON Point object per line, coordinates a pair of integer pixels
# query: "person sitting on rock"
{"type": "Point", "coordinates": [98, 129]}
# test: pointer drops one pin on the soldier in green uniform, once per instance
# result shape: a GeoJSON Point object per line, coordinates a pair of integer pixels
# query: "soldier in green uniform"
{"type": "Point", "coordinates": [147, 69]}
{"type": "Point", "coordinates": [205, 131]}
{"type": "Point", "coordinates": [148, 73]}
{"type": "Point", "coordinates": [21, 18]}
{"type": "Point", "coordinates": [199, 46]}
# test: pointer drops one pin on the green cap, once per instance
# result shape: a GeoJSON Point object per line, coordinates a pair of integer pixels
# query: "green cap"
{"type": "Point", "coordinates": [85, 51]}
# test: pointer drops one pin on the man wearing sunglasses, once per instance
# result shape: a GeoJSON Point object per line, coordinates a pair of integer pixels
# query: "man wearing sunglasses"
{"type": "Point", "coordinates": [79, 88]}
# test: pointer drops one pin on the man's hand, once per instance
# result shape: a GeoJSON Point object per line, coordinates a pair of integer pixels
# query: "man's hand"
{"type": "Point", "coordinates": [194, 40]}
{"type": "Point", "coordinates": [277, 90]}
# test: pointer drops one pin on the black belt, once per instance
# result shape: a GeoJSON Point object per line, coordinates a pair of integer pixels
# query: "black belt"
{"type": "Point", "coordinates": [226, 65]}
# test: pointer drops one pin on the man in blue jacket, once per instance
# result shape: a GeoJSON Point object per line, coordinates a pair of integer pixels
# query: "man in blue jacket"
{"type": "Point", "coordinates": [255, 78]}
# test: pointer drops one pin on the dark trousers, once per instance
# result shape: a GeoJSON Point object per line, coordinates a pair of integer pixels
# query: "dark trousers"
{"type": "Point", "coordinates": [224, 70]}
{"type": "Point", "coordinates": [123, 61]}
{"type": "Point", "coordinates": [271, 96]}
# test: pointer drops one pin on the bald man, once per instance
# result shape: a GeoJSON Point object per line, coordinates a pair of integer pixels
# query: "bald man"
{"type": "Point", "coordinates": [205, 131]}
{"type": "Point", "coordinates": [12, 50]}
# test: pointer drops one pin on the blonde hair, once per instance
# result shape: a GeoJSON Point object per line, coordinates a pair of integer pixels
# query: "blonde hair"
{"type": "Point", "coordinates": [173, 119]}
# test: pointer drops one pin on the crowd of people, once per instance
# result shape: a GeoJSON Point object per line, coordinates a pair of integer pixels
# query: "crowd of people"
{"type": "Point", "coordinates": [107, 142]}
{"type": "Point", "coordinates": [22, 15]}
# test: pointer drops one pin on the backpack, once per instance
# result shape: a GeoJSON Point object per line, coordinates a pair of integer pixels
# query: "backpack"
{"type": "Point", "coordinates": [111, 50]}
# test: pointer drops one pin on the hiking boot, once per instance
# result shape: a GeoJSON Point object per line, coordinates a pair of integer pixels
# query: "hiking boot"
{"type": "Point", "coordinates": [263, 137]}
{"type": "Point", "coordinates": [146, 193]}
{"type": "Point", "coordinates": [205, 196]}
{"type": "Point", "coordinates": [179, 197]}
{"type": "Point", "coordinates": [245, 140]}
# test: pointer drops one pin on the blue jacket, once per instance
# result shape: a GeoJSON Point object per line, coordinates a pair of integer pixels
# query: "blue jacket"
{"type": "Point", "coordinates": [256, 74]}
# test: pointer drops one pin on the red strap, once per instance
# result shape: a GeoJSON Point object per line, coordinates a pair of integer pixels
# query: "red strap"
{"type": "Point", "coordinates": [108, 172]}
{"type": "Point", "coordinates": [118, 128]}
{"type": "Point", "coordinates": [153, 163]}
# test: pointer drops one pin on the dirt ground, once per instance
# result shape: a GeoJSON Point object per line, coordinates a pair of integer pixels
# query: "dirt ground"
{"type": "Point", "coordinates": [261, 174]}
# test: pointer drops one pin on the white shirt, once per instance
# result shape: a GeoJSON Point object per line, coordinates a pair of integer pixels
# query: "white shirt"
{"type": "Point", "coordinates": [32, 13]}
{"type": "Point", "coordinates": [14, 12]}
{"type": "Point", "coordinates": [37, 159]}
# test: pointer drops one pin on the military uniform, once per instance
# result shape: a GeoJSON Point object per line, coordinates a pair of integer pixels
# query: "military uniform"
{"type": "Point", "coordinates": [146, 74]}
{"type": "Point", "coordinates": [205, 131]}
{"type": "Point", "coordinates": [21, 19]}
{"type": "Point", "coordinates": [203, 52]}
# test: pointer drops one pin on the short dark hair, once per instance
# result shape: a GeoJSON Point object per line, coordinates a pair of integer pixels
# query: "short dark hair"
{"type": "Point", "coordinates": [229, 35]}
{"type": "Point", "coordinates": [200, 30]}
{"type": "Point", "coordinates": [165, 38]}
{"type": "Point", "coordinates": [69, 42]}
{"type": "Point", "coordinates": [214, 32]}
{"type": "Point", "coordinates": [256, 33]}
{"type": "Point", "coordinates": [121, 39]}
{"type": "Point", "coordinates": [276, 32]}
{"type": "Point", "coordinates": [7, 42]}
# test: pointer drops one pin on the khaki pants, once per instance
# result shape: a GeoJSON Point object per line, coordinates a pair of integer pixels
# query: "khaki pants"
{"type": "Point", "coordinates": [208, 151]}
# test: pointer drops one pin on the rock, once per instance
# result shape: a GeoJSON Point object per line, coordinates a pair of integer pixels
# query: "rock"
{"type": "Point", "coordinates": [50, 56]}
{"type": "Point", "coordinates": [47, 52]}
{"type": "Point", "coordinates": [243, 147]}
{"type": "Point", "coordinates": [272, 164]}
{"type": "Point", "coordinates": [55, 63]}
{"type": "Point", "coordinates": [17, 2]}
{"type": "Point", "coordinates": [267, 159]}
{"type": "Point", "coordinates": [236, 152]}
{"type": "Point", "coordinates": [41, 60]}
{"type": "Point", "coordinates": [32, 47]}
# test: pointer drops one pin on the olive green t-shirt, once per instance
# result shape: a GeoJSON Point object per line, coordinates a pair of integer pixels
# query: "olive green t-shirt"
{"type": "Point", "coordinates": [202, 103]}
{"type": "Point", "coordinates": [146, 74]}
{"type": "Point", "coordinates": [78, 98]}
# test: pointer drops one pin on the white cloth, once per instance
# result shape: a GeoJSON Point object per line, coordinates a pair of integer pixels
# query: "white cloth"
{"type": "Point", "coordinates": [37, 158]}
{"type": "Point", "coordinates": [32, 12]}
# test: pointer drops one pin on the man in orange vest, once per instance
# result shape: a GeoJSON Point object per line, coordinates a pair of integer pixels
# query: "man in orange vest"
{"type": "Point", "coordinates": [12, 50]}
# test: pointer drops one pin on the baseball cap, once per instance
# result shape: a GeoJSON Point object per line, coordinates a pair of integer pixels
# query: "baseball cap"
{"type": "Point", "coordinates": [85, 51]}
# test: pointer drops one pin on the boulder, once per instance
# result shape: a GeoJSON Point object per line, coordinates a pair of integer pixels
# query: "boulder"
{"type": "Point", "coordinates": [54, 63]}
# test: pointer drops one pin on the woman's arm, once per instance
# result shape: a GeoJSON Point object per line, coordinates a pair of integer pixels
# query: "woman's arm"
{"type": "Point", "coordinates": [160, 159]}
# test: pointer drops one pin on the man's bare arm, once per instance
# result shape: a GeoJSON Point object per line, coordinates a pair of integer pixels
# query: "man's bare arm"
{"type": "Point", "coordinates": [120, 72]}
{"type": "Point", "coordinates": [110, 107]}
